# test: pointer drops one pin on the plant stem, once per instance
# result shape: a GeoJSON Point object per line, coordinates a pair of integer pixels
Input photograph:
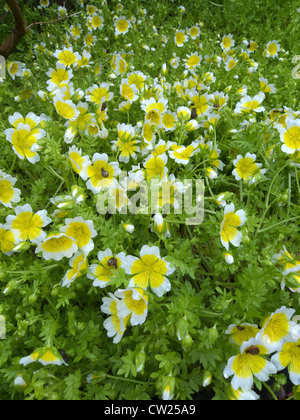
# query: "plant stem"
{"type": "Point", "coordinates": [278, 224]}
{"type": "Point", "coordinates": [133, 381]}
{"type": "Point", "coordinates": [263, 217]}
{"type": "Point", "coordinates": [13, 165]}
{"type": "Point", "coordinates": [270, 390]}
{"type": "Point", "coordinates": [297, 181]}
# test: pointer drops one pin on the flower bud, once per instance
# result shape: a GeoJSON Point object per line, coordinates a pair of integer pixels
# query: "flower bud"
{"type": "Point", "coordinates": [229, 258]}
{"type": "Point", "coordinates": [182, 328]}
{"type": "Point", "coordinates": [207, 378]}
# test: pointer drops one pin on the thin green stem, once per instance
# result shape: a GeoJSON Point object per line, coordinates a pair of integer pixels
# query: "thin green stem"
{"type": "Point", "coordinates": [13, 165]}
{"type": "Point", "coordinates": [133, 381]}
{"type": "Point", "coordinates": [278, 224]}
{"type": "Point", "coordinates": [264, 216]}
{"type": "Point", "coordinates": [297, 181]}
{"type": "Point", "coordinates": [54, 173]}
{"type": "Point", "coordinates": [270, 391]}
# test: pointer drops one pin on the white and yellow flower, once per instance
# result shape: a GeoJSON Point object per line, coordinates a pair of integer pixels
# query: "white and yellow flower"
{"type": "Point", "coordinates": [15, 69]}
{"type": "Point", "coordinates": [242, 332]}
{"type": "Point", "coordinates": [249, 363]}
{"type": "Point", "coordinates": [183, 113]}
{"type": "Point", "coordinates": [150, 270]}
{"type": "Point", "coordinates": [75, 31]}
{"type": "Point", "coordinates": [27, 225]}
{"type": "Point", "coordinates": [247, 169]}
{"type": "Point", "coordinates": [7, 241]}
{"type": "Point", "coordinates": [79, 265]}
{"type": "Point", "coordinates": [290, 135]}
{"type": "Point", "coordinates": [286, 262]}
{"type": "Point", "coordinates": [99, 94]}
{"type": "Point", "coordinates": [156, 166]}
{"type": "Point", "coordinates": [89, 40]}
{"type": "Point", "coordinates": [266, 87]}
{"type": "Point", "coordinates": [182, 154]}
{"type": "Point", "coordinates": [272, 49]}
{"type": "Point", "coordinates": [194, 32]}
{"type": "Point", "coordinates": [127, 91]}
{"type": "Point", "coordinates": [192, 61]}
{"type": "Point", "coordinates": [169, 121]}
{"type": "Point", "coordinates": [66, 108]}
{"type": "Point", "coordinates": [229, 227]}
{"type": "Point", "coordinates": [56, 246]}
{"type": "Point", "coordinates": [230, 63]}
{"type": "Point", "coordinates": [154, 110]}
{"type": "Point", "coordinates": [44, 3]}
{"type": "Point", "coordinates": [238, 395]}
{"type": "Point", "coordinates": [96, 22]}
{"type": "Point", "coordinates": [227, 42]}
{"type": "Point", "coordinates": [91, 9]}
{"type": "Point", "coordinates": [59, 77]}
{"type": "Point", "coordinates": [114, 324]}
{"type": "Point", "coordinates": [180, 38]}
{"type": "Point", "coordinates": [8, 194]}
{"type": "Point", "coordinates": [103, 272]}
{"type": "Point", "coordinates": [289, 357]}
{"type": "Point", "coordinates": [79, 163]}
{"type": "Point", "coordinates": [24, 141]}
{"type": "Point", "coordinates": [45, 356]}
{"type": "Point", "coordinates": [277, 328]}
{"type": "Point", "coordinates": [133, 303]}
{"type": "Point", "coordinates": [137, 78]}
{"type": "Point", "coordinates": [160, 226]}
{"type": "Point", "coordinates": [79, 124]}
{"type": "Point", "coordinates": [66, 56]}
{"type": "Point", "coordinates": [201, 102]}
{"type": "Point", "coordinates": [122, 25]}
{"type": "Point", "coordinates": [101, 173]}
{"type": "Point", "coordinates": [82, 231]}
{"type": "Point", "coordinates": [248, 104]}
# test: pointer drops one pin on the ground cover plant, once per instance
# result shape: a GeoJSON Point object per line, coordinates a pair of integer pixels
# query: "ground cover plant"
{"type": "Point", "coordinates": [104, 296]}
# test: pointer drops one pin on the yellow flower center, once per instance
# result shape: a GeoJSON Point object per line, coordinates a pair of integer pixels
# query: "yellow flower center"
{"type": "Point", "coordinates": [29, 225]}
{"type": "Point", "coordinates": [149, 269]}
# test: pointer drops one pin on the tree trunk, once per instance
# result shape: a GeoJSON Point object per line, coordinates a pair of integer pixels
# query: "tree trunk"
{"type": "Point", "coordinates": [18, 31]}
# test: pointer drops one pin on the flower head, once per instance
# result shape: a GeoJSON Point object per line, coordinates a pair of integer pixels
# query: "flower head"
{"type": "Point", "coordinates": [229, 227]}
{"type": "Point", "coordinates": [242, 332]}
{"type": "Point", "coordinates": [79, 264]}
{"type": "Point", "coordinates": [103, 272]}
{"type": "Point", "coordinates": [250, 362]}
{"type": "Point", "coordinates": [45, 356]}
{"type": "Point", "coordinates": [114, 324]}
{"type": "Point", "coordinates": [134, 302]}
{"type": "Point", "coordinates": [82, 231]}
{"type": "Point", "coordinates": [277, 328]}
{"type": "Point", "coordinates": [56, 246]}
{"type": "Point", "coordinates": [122, 25]}
{"type": "Point", "coordinates": [290, 136]}
{"type": "Point", "coordinates": [149, 270]}
{"type": "Point", "coordinates": [247, 169]}
{"type": "Point", "coordinates": [289, 357]}
{"type": "Point", "coordinates": [28, 225]}
{"type": "Point", "coordinates": [8, 194]}
{"type": "Point", "coordinates": [7, 241]}
{"type": "Point", "coordinates": [101, 173]}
